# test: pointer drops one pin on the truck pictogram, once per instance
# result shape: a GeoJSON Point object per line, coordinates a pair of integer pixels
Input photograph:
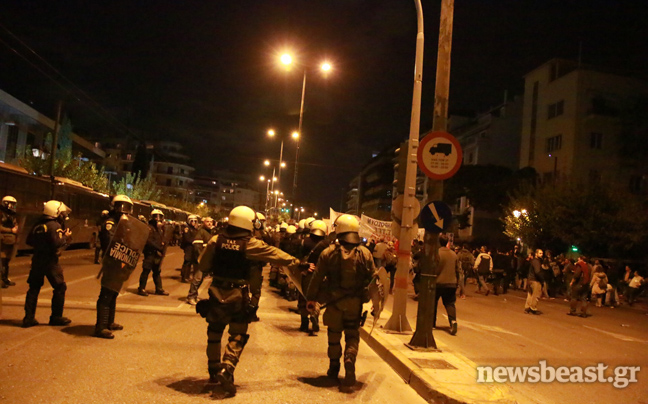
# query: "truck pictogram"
{"type": "Point", "coordinates": [444, 148]}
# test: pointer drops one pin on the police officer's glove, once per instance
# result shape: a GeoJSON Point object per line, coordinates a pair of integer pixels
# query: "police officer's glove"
{"type": "Point", "coordinates": [202, 308]}
{"type": "Point", "coordinates": [311, 306]}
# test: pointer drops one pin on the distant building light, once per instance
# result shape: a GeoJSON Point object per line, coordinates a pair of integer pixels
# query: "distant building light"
{"type": "Point", "coordinates": [129, 186]}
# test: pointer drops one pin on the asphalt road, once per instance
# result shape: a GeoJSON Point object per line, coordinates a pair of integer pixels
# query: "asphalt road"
{"type": "Point", "coordinates": [159, 357]}
{"type": "Point", "coordinates": [495, 331]}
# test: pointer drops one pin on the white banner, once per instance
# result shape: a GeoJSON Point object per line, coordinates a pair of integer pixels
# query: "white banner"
{"type": "Point", "coordinates": [371, 228]}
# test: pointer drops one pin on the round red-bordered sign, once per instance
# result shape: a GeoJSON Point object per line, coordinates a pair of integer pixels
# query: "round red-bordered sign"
{"type": "Point", "coordinates": [439, 155]}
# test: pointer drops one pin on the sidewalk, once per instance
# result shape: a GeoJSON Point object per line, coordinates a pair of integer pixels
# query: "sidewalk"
{"type": "Point", "coordinates": [438, 377]}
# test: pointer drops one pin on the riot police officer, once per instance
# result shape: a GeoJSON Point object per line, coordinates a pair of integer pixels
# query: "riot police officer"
{"type": "Point", "coordinates": [97, 242]}
{"type": "Point", "coordinates": [227, 257]}
{"type": "Point", "coordinates": [349, 268]}
{"type": "Point", "coordinates": [205, 233]}
{"type": "Point", "coordinates": [256, 271]}
{"type": "Point", "coordinates": [47, 237]}
{"type": "Point", "coordinates": [107, 301]}
{"type": "Point", "coordinates": [188, 237]}
{"type": "Point", "coordinates": [8, 237]}
{"type": "Point", "coordinates": [311, 249]}
{"type": "Point", "coordinates": [153, 255]}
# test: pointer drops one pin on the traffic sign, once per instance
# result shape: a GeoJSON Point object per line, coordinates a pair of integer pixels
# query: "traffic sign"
{"type": "Point", "coordinates": [435, 217]}
{"type": "Point", "coordinates": [439, 155]}
{"type": "Point", "coordinates": [397, 211]}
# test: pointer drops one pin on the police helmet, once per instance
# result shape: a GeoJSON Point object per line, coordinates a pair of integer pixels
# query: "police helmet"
{"type": "Point", "coordinates": [347, 228]}
{"type": "Point", "coordinates": [104, 213]}
{"type": "Point", "coordinates": [318, 228]}
{"type": "Point", "coordinates": [10, 203]}
{"type": "Point", "coordinates": [242, 217]}
{"type": "Point", "coordinates": [259, 221]}
{"type": "Point", "coordinates": [283, 227]}
{"type": "Point", "coordinates": [302, 224]}
{"type": "Point", "coordinates": [122, 204]}
{"type": "Point", "coordinates": [308, 222]}
{"type": "Point", "coordinates": [291, 229]}
{"type": "Point", "coordinates": [55, 209]}
{"type": "Point", "coordinates": [157, 214]}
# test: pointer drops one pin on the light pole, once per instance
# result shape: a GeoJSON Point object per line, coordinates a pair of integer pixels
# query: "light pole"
{"type": "Point", "coordinates": [325, 67]}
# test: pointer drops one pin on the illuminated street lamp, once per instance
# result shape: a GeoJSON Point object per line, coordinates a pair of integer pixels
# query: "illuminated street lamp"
{"type": "Point", "coordinates": [325, 67]}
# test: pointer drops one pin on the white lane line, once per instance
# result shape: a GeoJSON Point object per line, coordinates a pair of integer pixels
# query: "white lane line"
{"type": "Point", "coordinates": [49, 288]}
{"type": "Point", "coordinates": [485, 328]}
{"type": "Point", "coordinates": [618, 336]}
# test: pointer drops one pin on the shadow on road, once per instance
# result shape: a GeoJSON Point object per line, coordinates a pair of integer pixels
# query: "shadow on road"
{"type": "Point", "coordinates": [80, 330]}
{"type": "Point", "coordinates": [320, 381]}
{"type": "Point", "coordinates": [11, 323]}
{"type": "Point", "coordinates": [188, 385]}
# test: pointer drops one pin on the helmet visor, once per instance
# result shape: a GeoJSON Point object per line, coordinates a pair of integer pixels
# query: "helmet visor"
{"type": "Point", "coordinates": [123, 207]}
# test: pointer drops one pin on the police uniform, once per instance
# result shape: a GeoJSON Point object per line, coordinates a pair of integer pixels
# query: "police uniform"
{"type": "Point", "coordinates": [153, 255]}
{"type": "Point", "coordinates": [47, 237]}
{"type": "Point", "coordinates": [202, 238]}
{"type": "Point", "coordinates": [8, 240]}
{"type": "Point", "coordinates": [256, 275]}
{"type": "Point", "coordinates": [311, 249]}
{"type": "Point", "coordinates": [228, 258]}
{"type": "Point", "coordinates": [107, 301]}
{"type": "Point", "coordinates": [348, 269]}
{"type": "Point", "coordinates": [188, 236]}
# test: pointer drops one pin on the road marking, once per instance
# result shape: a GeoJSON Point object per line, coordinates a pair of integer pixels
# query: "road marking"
{"type": "Point", "coordinates": [618, 336]}
{"type": "Point", "coordinates": [135, 308]}
{"type": "Point", "coordinates": [485, 328]}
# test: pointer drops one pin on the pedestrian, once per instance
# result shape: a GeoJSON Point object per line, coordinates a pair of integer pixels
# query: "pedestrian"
{"type": "Point", "coordinates": [467, 262]}
{"type": "Point", "coordinates": [379, 253]}
{"type": "Point", "coordinates": [120, 206]}
{"type": "Point", "coordinates": [153, 255]}
{"type": "Point", "coordinates": [634, 287]}
{"type": "Point", "coordinates": [535, 284]}
{"type": "Point", "coordinates": [188, 237]}
{"type": "Point", "coordinates": [599, 283]}
{"type": "Point", "coordinates": [48, 236]}
{"type": "Point", "coordinates": [204, 234]}
{"type": "Point", "coordinates": [568, 275]}
{"type": "Point", "coordinates": [390, 260]}
{"type": "Point", "coordinates": [612, 294]}
{"type": "Point", "coordinates": [227, 258]}
{"type": "Point", "coordinates": [347, 268]}
{"type": "Point", "coordinates": [580, 288]}
{"type": "Point", "coordinates": [484, 268]}
{"type": "Point", "coordinates": [499, 275]}
{"type": "Point", "coordinates": [446, 286]}
{"type": "Point", "coordinates": [8, 237]}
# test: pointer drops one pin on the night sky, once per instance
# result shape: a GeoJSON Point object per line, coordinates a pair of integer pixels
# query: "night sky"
{"type": "Point", "coordinates": [206, 73]}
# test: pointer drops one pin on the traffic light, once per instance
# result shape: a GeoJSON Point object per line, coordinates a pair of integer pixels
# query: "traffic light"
{"type": "Point", "coordinates": [464, 219]}
{"type": "Point", "coordinates": [574, 249]}
{"type": "Point", "coordinates": [400, 168]}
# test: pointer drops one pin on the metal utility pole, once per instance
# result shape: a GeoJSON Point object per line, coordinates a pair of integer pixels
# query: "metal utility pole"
{"type": "Point", "coordinates": [398, 321]}
{"type": "Point", "coordinates": [299, 131]}
{"type": "Point", "coordinates": [423, 338]}
{"type": "Point", "coordinates": [59, 106]}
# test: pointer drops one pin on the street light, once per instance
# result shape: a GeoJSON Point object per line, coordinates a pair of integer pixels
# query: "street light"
{"type": "Point", "coordinates": [325, 67]}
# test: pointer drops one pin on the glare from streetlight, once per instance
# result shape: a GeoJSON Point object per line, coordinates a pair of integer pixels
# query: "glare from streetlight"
{"type": "Point", "coordinates": [516, 213]}
{"type": "Point", "coordinates": [262, 178]}
{"type": "Point", "coordinates": [295, 135]}
{"type": "Point", "coordinates": [267, 162]}
{"type": "Point", "coordinates": [271, 132]}
{"type": "Point", "coordinates": [315, 214]}
{"type": "Point", "coordinates": [286, 59]}
{"type": "Point", "coordinates": [524, 212]}
{"type": "Point", "coordinates": [283, 164]}
{"type": "Point", "coordinates": [326, 67]}
{"type": "Point", "coordinates": [274, 178]}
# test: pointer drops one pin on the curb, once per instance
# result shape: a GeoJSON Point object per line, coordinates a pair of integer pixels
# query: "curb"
{"type": "Point", "coordinates": [435, 391]}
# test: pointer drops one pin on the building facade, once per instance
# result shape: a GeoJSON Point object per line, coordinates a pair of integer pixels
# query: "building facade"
{"type": "Point", "coordinates": [571, 123]}
{"type": "Point", "coordinates": [24, 130]}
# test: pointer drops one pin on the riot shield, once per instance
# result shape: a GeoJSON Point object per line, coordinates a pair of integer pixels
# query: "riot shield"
{"type": "Point", "coordinates": [123, 252]}
{"type": "Point", "coordinates": [378, 292]}
{"type": "Point", "coordinates": [295, 276]}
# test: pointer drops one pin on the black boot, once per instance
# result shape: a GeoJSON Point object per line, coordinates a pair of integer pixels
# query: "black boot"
{"type": "Point", "coordinates": [304, 324]}
{"type": "Point", "coordinates": [103, 318]}
{"type": "Point", "coordinates": [314, 323]}
{"type": "Point", "coordinates": [253, 314]}
{"type": "Point", "coordinates": [30, 308]}
{"type": "Point", "coordinates": [225, 377]}
{"type": "Point", "coordinates": [349, 373]}
{"type": "Point", "coordinates": [59, 320]}
{"type": "Point", "coordinates": [334, 369]}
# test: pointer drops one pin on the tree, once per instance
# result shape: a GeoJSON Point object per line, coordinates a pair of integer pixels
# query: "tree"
{"type": "Point", "coordinates": [138, 188]}
{"type": "Point", "coordinates": [141, 163]}
{"type": "Point", "coordinates": [600, 220]}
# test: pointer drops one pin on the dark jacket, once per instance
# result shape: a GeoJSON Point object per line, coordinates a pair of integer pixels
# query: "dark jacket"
{"type": "Point", "coordinates": [154, 248]}
{"type": "Point", "coordinates": [47, 237]}
{"type": "Point", "coordinates": [535, 271]}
